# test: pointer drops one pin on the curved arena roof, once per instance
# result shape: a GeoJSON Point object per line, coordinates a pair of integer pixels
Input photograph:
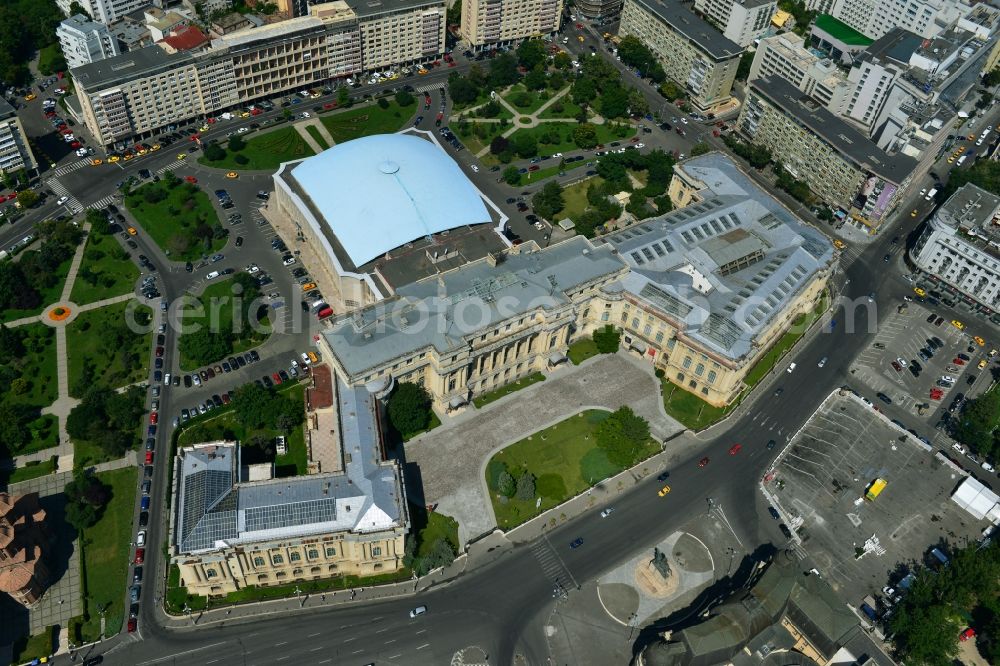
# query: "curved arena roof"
{"type": "Point", "coordinates": [379, 192]}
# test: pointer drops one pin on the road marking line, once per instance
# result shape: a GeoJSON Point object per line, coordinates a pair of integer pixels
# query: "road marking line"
{"type": "Point", "coordinates": [357, 651]}
{"type": "Point", "coordinates": [317, 649]}
{"type": "Point", "coordinates": [421, 631]}
{"type": "Point", "coordinates": [160, 659]}
{"type": "Point", "coordinates": [377, 632]}
{"type": "Point", "coordinates": [390, 641]}
{"type": "Point", "coordinates": [281, 643]}
{"type": "Point", "coordinates": [421, 647]}
{"type": "Point", "coordinates": [348, 640]}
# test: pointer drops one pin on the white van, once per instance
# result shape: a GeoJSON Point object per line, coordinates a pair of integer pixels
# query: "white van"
{"type": "Point", "coordinates": [213, 275]}
{"type": "Point", "coordinates": [791, 367]}
{"type": "Point", "coordinates": [317, 306]}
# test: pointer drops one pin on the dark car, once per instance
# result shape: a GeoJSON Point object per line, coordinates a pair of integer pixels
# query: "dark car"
{"type": "Point", "coordinates": [137, 575]}
{"type": "Point", "coordinates": [283, 375]}
{"type": "Point", "coordinates": [158, 363]}
{"type": "Point", "coordinates": [187, 381]}
{"type": "Point", "coordinates": [135, 592]}
{"type": "Point", "coordinates": [240, 361]}
{"type": "Point", "coordinates": [147, 471]}
{"type": "Point", "coordinates": [254, 355]}
{"type": "Point", "coordinates": [226, 367]}
{"type": "Point", "coordinates": [144, 518]}
{"type": "Point", "coordinates": [267, 381]}
{"type": "Point", "coordinates": [784, 530]}
{"type": "Point", "coordinates": [161, 339]}
{"type": "Point", "coordinates": [576, 543]}
{"type": "Point", "coordinates": [771, 444]}
{"type": "Point", "coordinates": [774, 513]}
{"type": "Point", "coordinates": [158, 375]}
{"type": "Point", "coordinates": [204, 375]}
{"type": "Point", "coordinates": [663, 476]}
{"type": "Point", "coordinates": [884, 398]}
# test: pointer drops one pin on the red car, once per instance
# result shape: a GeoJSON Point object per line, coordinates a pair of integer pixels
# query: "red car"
{"type": "Point", "coordinates": [132, 623]}
{"type": "Point", "coordinates": [255, 111]}
{"type": "Point", "coordinates": [958, 361]}
{"type": "Point", "coordinates": [159, 351]}
{"type": "Point", "coordinates": [703, 462]}
{"type": "Point", "coordinates": [533, 167]}
{"type": "Point", "coordinates": [967, 634]}
{"type": "Point", "coordinates": [191, 179]}
{"type": "Point", "coordinates": [210, 121]}
{"type": "Point", "coordinates": [330, 105]}
{"type": "Point", "coordinates": [735, 448]}
{"type": "Point", "coordinates": [635, 139]}
{"type": "Point", "coordinates": [140, 556]}
{"type": "Point", "coordinates": [276, 377]}
{"type": "Point", "coordinates": [579, 26]}
{"type": "Point", "coordinates": [149, 457]}
{"type": "Point", "coordinates": [153, 418]}
{"type": "Point", "coordinates": [195, 136]}
{"type": "Point", "coordinates": [897, 367]}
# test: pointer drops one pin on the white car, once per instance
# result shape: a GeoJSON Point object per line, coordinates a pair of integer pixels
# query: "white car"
{"type": "Point", "coordinates": [923, 192]}
{"type": "Point", "coordinates": [196, 379]}
{"type": "Point", "coordinates": [557, 155]}
{"type": "Point", "coordinates": [986, 466]}
{"type": "Point", "coordinates": [81, 152]}
{"type": "Point", "coordinates": [253, 268]}
{"type": "Point", "coordinates": [243, 130]}
{"type": "Point", "coordinates": [821, 363]}
{"type": "Point", "coordinates": [791, 368]}
{"type": "Point", "coordinates": [640, 145]}
{"type": "Point", "coordinates": [62, 200]}
{"type": "Point", "coordinates": [213, 275]}
{"type": "Point", "coordinates": [419, 610]}
{"type": "Point", "coordinates": [305, 114]}
{"type": "Point", "coordinates": [305, 358]}
{"type": "Point", "coordinates": [948, 379]}
{"type": "Point", "coordinates": [289, 261]}
{"type": "Point", "coordinates": [474, 168]}
{"type": "Point", "coordinates": [140, 539]}
{"type": "Point", "coordinates": [902, 361]}
{"type": "Point", "coordinates": [959, 448]}
{"type": "Point", "coordinates": [607, 512]}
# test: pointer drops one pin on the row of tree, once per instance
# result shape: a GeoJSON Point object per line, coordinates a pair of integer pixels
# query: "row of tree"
{"type": "Point", "coordinates": [976, 425]}
{"type": "Point", "coordinates": [942, 601]}
{"type": "Point", "coordinates": [216, 339]}
{"type": "Point", "coordinates": [25, 27]}
{"type": "Point", "coordinates": [107, 419]}
{"type": "Point", "coordinates": [22, 282]}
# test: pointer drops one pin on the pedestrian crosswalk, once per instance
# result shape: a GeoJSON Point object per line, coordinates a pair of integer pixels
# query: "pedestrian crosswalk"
{"type": "Point", "coordinates": [427, 87]}
{"type": "Point", "coordinates": [70, 168]}
{"type": "Point", "coordinates": [101, 203]}
{"type": "Point", "coordinates": [60, 190]}
{"type": "Point", "coordinates": [552, 565]}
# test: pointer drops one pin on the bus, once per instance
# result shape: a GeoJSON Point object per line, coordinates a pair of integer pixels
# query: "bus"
{"type": "Point", "coordinates": [875, 489]}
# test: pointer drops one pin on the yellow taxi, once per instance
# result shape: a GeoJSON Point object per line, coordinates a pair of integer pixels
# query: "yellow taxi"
{"type": "Point", "coordinates": [313, 358]}
{"type": "Point", "coordinates": [142, 151]}
{"type": "Point", "coordinates": [919, 292]}
{"type": "Point", "coordinates": [181, 156]}
{"type": "Point", "coordinates": [96, 162]}
{"type": "Point", "coordinates": [29, 97]}
{"type": "Point", "coordinates": [580, 39]}
{"type": "Point", "coordinates": [421, 71]}
{"type": "Point", "coordinates": [957, 324]}
{"type": "Point", "coordinates": [839, 244]}
{"type": "Point", "coordinates": [971, 137]}
{"type": "Point", "coordinates": [131, 231]}
{"type": "Point", "coordinates": [951, 158]}
{"type": "Point", "coordinates": [232, 174]}
{"type": "Point", "coordinates": [961, 149]}
{"type": "Point", "coordinates": [128, 156]}
{"type": "Point", "coordinates": [245, 114]}
{"type": "Point", "coordinates": [113, 159]}
{"type": "Point", "coordinates": [982, 364]}
{"type": "Point", "coordinates": [203, 128]}
{"type": "Point", "coordinates": [913, 213]}
{"type": "Point", "coordinates": [979, 341]}
{"type": "Point", "coordinates": [308, 286]}
{"type": "Point", "coordinates": [664, 491]}
{"type": "Point", "coordinates": [155, 147]}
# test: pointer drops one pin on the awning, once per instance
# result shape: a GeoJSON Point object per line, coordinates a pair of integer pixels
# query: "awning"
{"type": "Point", "coordinates": [555, 358]}
{"type": "Point", "coordinates": [638, 346]}
{"type": "Point", "coordinates": [457, 402]}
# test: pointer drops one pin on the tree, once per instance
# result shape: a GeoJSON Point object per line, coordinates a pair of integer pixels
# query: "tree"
{"type": "Point", "coordinates": [637, 104]}
{"type": "Point", "coordinates": [526, 486]}
{"type": "Point", "coordinates": [27, 198]}
{"type": "Point", "coordinates": [525, 144]}
{"type": "Point", "coordinates": [548, 201]}
{"type": "Point", "coordinates": [214, 152]}
{"type": "Point", "coordinates": [992, 79]}
{"type": "Point", "coordinates": [206, 346]}
{"type": "Point", "coordinates": [511, 175]}
{"type": "Point", "coordinates": [236, 144]}
{"type": "Point", "coordinates": [343, 97]}
{"type": "Point", "coordinates": [409, 408]}
{"type": "Point", "coordinates": [498, 145]}
{"type": "Point", "coordinates": [584, 90]}
{"type": "Point", "coordinates": [562, 60]}
{"type": "Point", "coordinates": [506, 485]}
{"type": "Point", "coordinates": [622, 435]}
{"type": "Point", "coordinates": [536, 79]}
{"type": "Point", "coordinates": [86, 497]}
{"type": "Point", "coordinates": [531, 54]}
{"type": "Point", "coordinates": [614, 101]}
{"type": "Point", "coordinates": [250, 403]}
{"type": "Point", "coordinates": [743, 69]}
{"type": "Point", "coordinates": [975, 427]}
{"type": "Point", "coordinates": [700, 148]}
{"type": "Point", "coordinates": [503, 71]}
{"type": "Point", "coordinates": [585, 136]}
{"type": "Point", "coordinates": [670, 90]}
{"type": "Point", "coordinates": [404, 98]}
{"type": "Point", "coordinates": [607, 339]}
{"type": "Point", "coordinates": [461, 89]}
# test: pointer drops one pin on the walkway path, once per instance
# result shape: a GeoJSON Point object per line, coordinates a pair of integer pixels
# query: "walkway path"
{"type": "Point", "coordinates": [523, 120]}
{"type": "Point", "coordinates": [300, 127]}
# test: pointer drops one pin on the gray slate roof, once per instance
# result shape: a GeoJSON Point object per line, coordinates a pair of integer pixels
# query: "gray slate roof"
{"type": "Point", "coordinates": [675, 258]}
{"type": "Point", "coordinates": [214, 509]}
{"type": "Point", "coordinates": [701, 32]}
{"type": "Point", "coordinates": [442, 312]}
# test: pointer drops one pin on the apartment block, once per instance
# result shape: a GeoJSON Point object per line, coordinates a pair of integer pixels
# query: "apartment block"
{"type": "Point", "coordinates": [840, 164]}
{"type": "Point", "coordinates": [783, 56]}
{"type": "Point", "coordinates": [137, 93]}
{"type": "Point", "coordinates": [84, 41]}
{"type": "Point", "coordinates": [486, 23]}
{"type": "Point", "coordinates": [741, 21]}
{"type": "Point", "coordinates": [875, 18]}
{"type": "Point", "coordinates": [15, 152]}
{"type": "Point", "coordinates": [693, 53]}
{"type": "Point", "coordinates": [961, 245]}
{"type": "Point", "coordinates": [236, 525]}
{"type": "Point", "coordinates": [836, 39]}
{"type": "Point", "coordinates": [104, 11]}
{"type": "Point", "coordinates": [597, 9]}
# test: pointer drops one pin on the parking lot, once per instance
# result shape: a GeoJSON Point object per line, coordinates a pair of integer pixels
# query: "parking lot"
{"type": "Point", "coordinates": [898, 366]}
{"type": "Point", "coordinates": [819, 483]}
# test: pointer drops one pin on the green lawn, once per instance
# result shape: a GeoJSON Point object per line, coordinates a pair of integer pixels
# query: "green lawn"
{"type": "Point", "coordinates": [37, 367]}
{"type": "Point", "coordinates": [434, 423]}
{"type": "Point", "coordinates": [433, 526]}
{"type": "Point", "coordinates": [476, 136]}
{"type": "Point", "coordinates": [569, 109]}
{"type": "Point", "coordinates": [524, 382]}
{"type": "Point", "coordinates": [217, 315]}
{"type": "Point", "coordinates": [40, 645]}
{"type": "Point", "coordinates": [566, 144]}
{"type": "Point", "coordinates": [264, 151]}
{"type": "Point", "coordinates": [542, 174]}
{"type": "Point", "coordinates": [105, 555]}
{"type": "Point", "coordinates": [104, 351]}
{"type": "Point", "coordinates": [317, 137]}
{"type": "Point", "coordinates": [581, 350]}
{"type": "Point", "coordinates": [367, 120]}
{"type": "Point", "coordinates": [182, 224]}
{"type": "Point", "coordinates": [690, 410]}
{"type": "Point", "coordinates": [575, 197]}
{"type": "Point", "coordinates": [49, 295]}
{"type": "Point", "coordinates": [106, 271]}
{"type": "Point", "coordinates": [32, 470]}
{"type": "Point", "coordinates": [535, 98]}
{"type": "Point", "coordinates": [565, 460]}
{"type": "Point", "coordinates": [222, 424]}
